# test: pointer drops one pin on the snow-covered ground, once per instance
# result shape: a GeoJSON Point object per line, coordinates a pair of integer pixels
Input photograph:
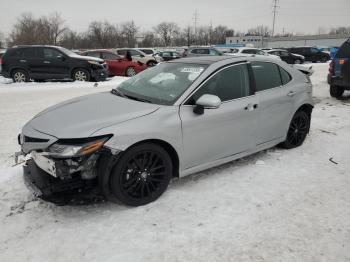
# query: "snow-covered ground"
{"type": "Point", "coordinates": [276, 205]}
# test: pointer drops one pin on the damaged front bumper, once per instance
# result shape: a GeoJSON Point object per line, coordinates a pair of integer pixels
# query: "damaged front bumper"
{"type": "Point", "coordinates": [68, 180]}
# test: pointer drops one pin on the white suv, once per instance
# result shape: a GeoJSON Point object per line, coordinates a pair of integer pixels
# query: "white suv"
{"type": "Point", "coordinates": [139, 56]}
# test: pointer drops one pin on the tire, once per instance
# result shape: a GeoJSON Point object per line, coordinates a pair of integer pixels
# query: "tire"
{"type": "Point", "coordinates": [336, 91]}
{"type": "Point", "coordinates": [297, 61]}
{"type": "Point", "coordinates": [151, 63]}
{"type": "Point", "coordinates": [141, 175]}
{"type": "Point", "coordinates": [81, 75]}
{"type": "Point", "coordinates": [298, 129]}
{"type": "Point", "coordinates": [20, 76]}
{"type": "Point", "coordinates": [130, 71]}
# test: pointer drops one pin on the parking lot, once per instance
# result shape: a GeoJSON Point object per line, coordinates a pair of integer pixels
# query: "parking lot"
{"type": "Point", "coordinates": [276, 205]}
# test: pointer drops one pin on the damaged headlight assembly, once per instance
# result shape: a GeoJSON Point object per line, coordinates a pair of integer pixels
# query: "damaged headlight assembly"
{"type": "Point", "coordinates": [68, 156]}
{"type": "Point", "coordinates": [76, 148]}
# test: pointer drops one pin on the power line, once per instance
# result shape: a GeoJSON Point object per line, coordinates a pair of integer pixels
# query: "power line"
{"type": "Point", "coordinates": [275, 6]}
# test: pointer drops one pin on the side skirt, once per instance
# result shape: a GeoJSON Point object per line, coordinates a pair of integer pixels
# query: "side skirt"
{"type": "Point", "coordinates": [224, 160]}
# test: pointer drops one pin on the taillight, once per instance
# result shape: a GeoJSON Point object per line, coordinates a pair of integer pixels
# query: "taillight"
{"type": "Point", "coordinates": [1, 62]}
{"type": "Point", "coordinates": [341, 61]}
{"type": "Point", "coordinates": [331, 67]}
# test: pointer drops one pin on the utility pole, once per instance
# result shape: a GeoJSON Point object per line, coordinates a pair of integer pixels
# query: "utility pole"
{"type": "Point", "coordinates": [211, 32]}
{"type": "Point", "coordinates": [195, 22]}
{"type": "Point", "coordinates": [275, 6]}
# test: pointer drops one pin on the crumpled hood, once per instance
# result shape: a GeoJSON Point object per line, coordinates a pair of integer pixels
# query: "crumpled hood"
{"type": "Point", "coordinates": [82, 116]}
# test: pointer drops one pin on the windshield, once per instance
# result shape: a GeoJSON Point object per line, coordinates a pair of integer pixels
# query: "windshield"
{"type": "Point", "coordinates": [66, 51]}
{"type": "Point", "coordinates": [162, 84]}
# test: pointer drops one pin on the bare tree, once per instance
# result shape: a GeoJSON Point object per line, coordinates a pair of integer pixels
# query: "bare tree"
{"type": "Point", "coordinates": [260, 30]}
{"type": "Point", "coordinates": [56, 28]}
{"type": "Point", "coordinates": [103, 35]}
{"type": "Point", "coordinates": [341, 30]}
{"type": "Point", "coordinates": [167, 30]}
{"type": "Point", "coordinates": [129, 31]}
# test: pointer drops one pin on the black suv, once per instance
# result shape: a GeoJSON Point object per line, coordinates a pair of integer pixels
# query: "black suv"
{"type": "Point", "coordinates": [22, 63]}
{"type": "Point", "coordinates": [311, 54]}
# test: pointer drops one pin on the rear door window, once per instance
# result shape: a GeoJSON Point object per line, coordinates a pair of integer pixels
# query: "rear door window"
{"type": "Point", "coordinates": [30, 53]}
{"type": "Point", "coordinates": [109, 56]}
{"type": "Point", "coordinates": [50, 53]}
{"type": "Point", "coordinates": [344, 50]}
{"type": "Point", "coordinates": [267, 75]}
{"type": "Point", "coordinates": [285, 76]}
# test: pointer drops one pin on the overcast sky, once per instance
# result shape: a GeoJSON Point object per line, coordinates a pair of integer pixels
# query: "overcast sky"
{"type": "Point", "coordinates": [304, 16]}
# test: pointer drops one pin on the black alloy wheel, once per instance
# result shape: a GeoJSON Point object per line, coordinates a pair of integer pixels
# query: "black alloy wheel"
{"type": "Point", "coordinates": [141, 175]}
{"type": "Point", "coordinates": [298, 130]}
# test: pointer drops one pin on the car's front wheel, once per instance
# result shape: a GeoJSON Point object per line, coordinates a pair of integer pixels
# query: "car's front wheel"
{"type": "Point", "coordinates": [298, 129]}
{"type": "Point", "coordinates": [141, 175]}
{"type": "Point", "coordinates": [81, 75]}
{"type": "Point", "coordinates": [336, 91]}
{"type": "Point", "coordinates": [130, 71]}
{"type": "Point", "coordinates": [20, 76]}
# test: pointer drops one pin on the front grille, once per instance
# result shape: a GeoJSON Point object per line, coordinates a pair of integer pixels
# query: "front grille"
{"type": "Point", "coordinates": [29, 139]}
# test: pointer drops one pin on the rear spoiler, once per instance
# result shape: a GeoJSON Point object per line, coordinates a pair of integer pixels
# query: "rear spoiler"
{"type": "Point", "coordinates": [305, 69]}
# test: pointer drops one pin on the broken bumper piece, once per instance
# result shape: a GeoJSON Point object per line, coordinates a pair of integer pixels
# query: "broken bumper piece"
{"type": "Point", "coordinates": [57, 190]}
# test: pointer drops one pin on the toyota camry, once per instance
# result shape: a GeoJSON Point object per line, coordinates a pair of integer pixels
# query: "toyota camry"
{"type": "Point", "coordinates": [171, 120]}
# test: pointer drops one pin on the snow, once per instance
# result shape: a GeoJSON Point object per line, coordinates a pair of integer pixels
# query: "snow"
{"type": "Point", "coordinates": [277, 205]}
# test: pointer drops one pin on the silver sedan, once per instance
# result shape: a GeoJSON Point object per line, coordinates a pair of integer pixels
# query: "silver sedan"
{"type": "Point", "coordinates": [172, 120]}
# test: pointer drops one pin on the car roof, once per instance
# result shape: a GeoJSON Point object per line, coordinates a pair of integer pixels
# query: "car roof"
{"type": "Point", "coordinates": [208, 60]}
{"type": "Point", "coordinates": [26, 46]}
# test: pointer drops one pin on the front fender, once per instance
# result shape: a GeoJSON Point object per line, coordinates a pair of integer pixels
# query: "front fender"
{"type": "Point", "coordinates": [164, 125]}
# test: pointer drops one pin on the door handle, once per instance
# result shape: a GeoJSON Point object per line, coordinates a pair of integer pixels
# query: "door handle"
{"type": "Point", "coordinates": [291, 93]}
{"type": "Point", "coordinates": [251, 107]}
{"type": "Point", "coordinates": [23, 61]}
{"type": "Point", "coordinates": [47, 62]}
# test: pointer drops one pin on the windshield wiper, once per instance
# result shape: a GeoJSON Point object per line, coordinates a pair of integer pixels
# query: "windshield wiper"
{"type": "Point", "coordinates": [115, 91]}
{"type": "Point", "coordinates": [137, 98]}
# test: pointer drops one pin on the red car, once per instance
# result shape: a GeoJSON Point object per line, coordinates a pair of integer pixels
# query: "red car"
{"type": "Point", "coordinates": [117, 65]}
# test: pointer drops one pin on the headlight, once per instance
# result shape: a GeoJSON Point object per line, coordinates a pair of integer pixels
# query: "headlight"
{"type": "Point", "coordinates": [93, 62]}
{"type": "Point", "coordinates": [66, 149]}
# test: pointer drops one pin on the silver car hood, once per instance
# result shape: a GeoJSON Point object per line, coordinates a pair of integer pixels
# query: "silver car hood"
{"type": "Point", "coordinates": [82, 116]}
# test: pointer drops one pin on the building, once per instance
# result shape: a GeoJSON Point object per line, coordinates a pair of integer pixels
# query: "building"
{"type": "Point", "coordinates": [277, 42]}
{"type": "Point", "coordinates": [256, 41]}
{"type": "Point", "coordinates": [307, 40]}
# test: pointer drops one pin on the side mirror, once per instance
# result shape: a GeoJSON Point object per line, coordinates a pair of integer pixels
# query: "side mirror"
{"type": "Point", "coordinates": [206, 101]}
{"type": "Point", "coordinates": [142, 55]}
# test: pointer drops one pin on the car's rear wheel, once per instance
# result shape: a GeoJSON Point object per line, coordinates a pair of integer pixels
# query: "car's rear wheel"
{"type": "Point", "coordinates": [81, 75]}
{"type": "Point", "coordinates": [151, 63]}
{"type": "Point", "coordinates": [141, 175]}
{"type": "Point", "coordinates": [336, 91]}
{"type": "Point", "coordinates": [20, 76]}
{"type": "Point", "coordinates": [130, 71]}
{"type": "Point", "coordinates": [298, 129]}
